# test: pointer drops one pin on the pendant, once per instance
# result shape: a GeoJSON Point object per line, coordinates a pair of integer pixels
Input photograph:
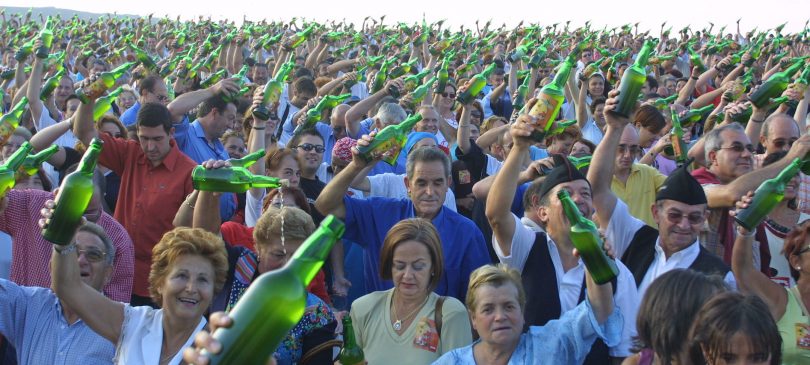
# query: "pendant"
{"type": "Point", "coordinates": [397, 325]}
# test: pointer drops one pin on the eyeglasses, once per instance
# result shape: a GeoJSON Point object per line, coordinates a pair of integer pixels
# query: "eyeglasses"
{"type": "Point", "coordinates": [738, 147]}
{"type": "Point", "coordinates": [92, 255]}
{"type": "Point", "coordinates": [448, 95]}
{"type": "Point", "coordinates": [309, 147]}
{"type": "Point", "coordinates": [633, 149]}
{"type": "Point", "coordinates": [694, 218]}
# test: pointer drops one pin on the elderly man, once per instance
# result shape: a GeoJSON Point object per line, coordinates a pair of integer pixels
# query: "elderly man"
{"type": "Point", "coordinates": [368, 221]}
{"type": "Point", "coordinates": [44, 330]}
{"type": "Point", "coordinates": [540, 247]}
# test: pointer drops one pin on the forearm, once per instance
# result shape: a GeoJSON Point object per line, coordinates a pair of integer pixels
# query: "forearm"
{"type": "Point", "coordinates": [686, 91]}
{"type": "Point", "coordinates": [330, 86]}
{"type": "Point", "coordinates": [330, 201]}
{"type": "Point", "coordinates": [83, 127]}
{"type": "Point", "coordinates": [206, 212]}
{"type": "Point", "coordinates": [581, 108]}
{"type": "Point", "coordinates": [600, 297]}
{"type": "Point", "coordinates": [47, 136]}
{"type": "Point", "coordinates": [190, 100]}
{"type": "Point", "coordinates": [707, 98]}
{"type": "Point", "coordinates": [185, 214]}
{"type": "Point", "coordinates": [355, 113]}
{"type": "Point", "coordinates": [801, 112]}
{"type": "Point", "coordinates": [491, 136]}
{"type": "Point", "coordinates": [753, 128]}
{"type": "Point", "coordinates": [340, 65]}
{"type": "Point", "coordinates": [463, 132]}
{"type": "Point", "coordinates": [33, 89]}
{"type": "Point", "coordinates": [737, 71]}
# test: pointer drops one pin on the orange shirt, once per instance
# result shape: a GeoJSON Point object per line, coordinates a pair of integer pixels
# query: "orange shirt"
{"type": "Point", "coordinates": [149, 197]}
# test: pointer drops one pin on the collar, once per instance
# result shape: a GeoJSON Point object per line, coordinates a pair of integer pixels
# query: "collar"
{"type": "Point", "coordinates": [170, 161]}
{"type": "Point", "coordinates": [690, 251]}
{"type": "Point", "coordinates": [196, 129]}
{"type": "Point", "coordinates": [532, 225]}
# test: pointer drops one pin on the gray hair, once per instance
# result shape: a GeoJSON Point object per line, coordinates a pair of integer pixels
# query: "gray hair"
{"type": "Point", "coordinates": [99, 232]}
{"type": "Point", "coordinates": [713, 141]}
{"type": "Point", "coordinates": [426, 154]}
{"type": "Point", "coordinates": [390, 113]}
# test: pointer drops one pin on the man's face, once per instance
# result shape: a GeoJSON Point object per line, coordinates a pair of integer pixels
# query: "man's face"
{"type": "Point", "coordinates": [338, 122]}
{"type": "Point", "coordinates": [586, 57]}
{"type": "Point", "coordinates": [71, 106]}
{"type": "Point", "coordinates": [429, 122]}
{"type": "Point", "coordinates": [554, 215]}
{"type": "Point", "coordinates": [223, 120]}
{"type": "Point", "coordinates": [97, 69]}
{"type": "Point", "coordinates": [151, 42]}
{"type": "Point", "coordinates": [427, 188]}
{"type": "Point", "coordinates": [310, 152]}
{"type": "Point", "coordinates": [154, 142]}
{"type": "Point", "coordinates": [734, 158]}
{"type": "Point", "coordinates": [782, 132]}
{"type": "Point", "coordinates": [301, 98]}
{"type": "Point", "coordinates": [671, 86]}
{"type": "Point", "coordinates": [679, 223]}
{"type": "Point", "coordinates": [64, 90]}
{"type": "Point", "coordinates": [12, 145]}
{"type": "Point", "coordinates": [496, 79]}
{"type": "Point", "coordinates": [159, 94]}
{"type": "Point", "coordinates": [260, 74]}
{"type": "Point", "coordinates": [628, 149]}
{"type": "Point", "coordinates": [92, 260]}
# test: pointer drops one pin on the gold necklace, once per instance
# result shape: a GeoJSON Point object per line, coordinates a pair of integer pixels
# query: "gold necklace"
{"type": "Point", "coordinates": [398, 322]}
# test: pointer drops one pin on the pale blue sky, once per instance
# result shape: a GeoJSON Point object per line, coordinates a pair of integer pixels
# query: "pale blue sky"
{"type": "Point", "coordinates": [602, 12]}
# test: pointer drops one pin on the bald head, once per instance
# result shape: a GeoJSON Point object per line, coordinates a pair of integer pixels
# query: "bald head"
{"type": "Point", "coordinates": [629, 135]}
{"type": "Point", "coordinates": [338, 121]}
{"type": "Point", "coordinates": [628, 149]}
{"type": "Point", "coordinates": [779, 131]}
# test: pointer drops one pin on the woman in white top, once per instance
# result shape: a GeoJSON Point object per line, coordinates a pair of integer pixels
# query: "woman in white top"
{"type": "Point", "coordinates": [189, 266]}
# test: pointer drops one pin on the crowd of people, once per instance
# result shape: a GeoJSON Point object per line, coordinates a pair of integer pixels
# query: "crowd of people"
{"type": "Point", "coordinates": [457, 248]}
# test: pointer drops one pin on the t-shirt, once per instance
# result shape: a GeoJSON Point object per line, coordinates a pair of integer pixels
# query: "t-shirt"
{"type": "Point", "coordinates": [392, 186]}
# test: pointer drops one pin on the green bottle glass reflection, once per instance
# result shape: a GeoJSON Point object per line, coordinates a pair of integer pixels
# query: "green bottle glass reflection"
{"type": "Point", "coordinates": [476, 84]}
{"type": "Point", "coordinates": [522, 93]}
{"type": "Point", "coordinates": [274, 302]}
{"type": "Point", "coordinates": [234, 179]}
{"type": "Point", "coordinates": [272, 92]}
{"type": "Point", "coordinates": [144, 58]}
{"type": "Point", "coordinates": [33, 162]}
{"type": "Point", "coordinates": [587, 241]}
{"type": "Point", "coordinates": [766, 197]}
{"type": "Point", "coordinates": [775, 85]}
{"type": "Point", "coordinates": [8, 170]}
{"type": "Point", "coordinates": [11, 120]}
{"type": "Point", "coordinates": [105, 81]}
{"type": "Point", "coordinates": [46, 36]}
{"type": "Point", "coordinates": [73, 198]}
{"type": "Point", "coordinates": [389, 140]}
{"type": "Point", "coordinates": [351, 353]}
{"type": "Point", "coordinates": [214, 78]}
{"type": "Point", "coordinates": [549, 101]}
{"type": "Point", "coordinates": [633, 79]}
{"type": "Point", "coordinates": [50, 85]}
{"type": "Point", "coordinates": [314, 114]}
{"type": "Point", "coordinates": [695, 115]}
{"type": "Point", "coordinates": [418, 94]}
{"type": "Point", "coordinates": [24, 51]}
{"type": "Point", "coordinates": [442, 76]}
{"type": "Point", "coordinates": [104, 103]}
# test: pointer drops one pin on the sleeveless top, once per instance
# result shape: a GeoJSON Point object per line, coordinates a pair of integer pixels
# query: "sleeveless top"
{"type": "Point", "coordinates": [794, 326]}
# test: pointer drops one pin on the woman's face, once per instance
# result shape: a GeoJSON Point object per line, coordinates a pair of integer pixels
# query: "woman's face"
{"type": "Point", "coordinates": [126, 100]}
{"type": "Point", "coordinates": [476, 117]}
{"type": "Point", "coordinates": [599, 116]}
{"type": "Point", "coordinates": [497, 315]}
{"type": "Point", "coordinates": [272, 255]}
{"type": "Point", "coordinates": [189, 287]}
{"type": "Point", "coordinates": [646, 137]}
{"type": "Point", "coordinates": [111, 129]}
{"type": "Point", "coordinates": [596, 86]}
{"type": "Point", "coordinates": [792, 188]}
{"type": "Point", "coordinates": [580, 150]}
{"type": "Point", "coordinates": [447, 101]}
{"type": "Point", "coordinates": [412, 268]}
{"type": "Point", "coordinates": [739, 351]}
{"type": "Point", "coordinates": [287, 169]}
{"type": "Point", "coordinates": [235, 147]}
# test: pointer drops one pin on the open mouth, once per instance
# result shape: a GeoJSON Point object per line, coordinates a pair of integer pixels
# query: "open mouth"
{"type": "Point", "coordinates": [188, 301]}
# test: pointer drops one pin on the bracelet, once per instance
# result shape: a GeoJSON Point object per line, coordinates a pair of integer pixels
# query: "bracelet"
{"type": "Point", "coordinates": [65, 249]}
{"type": "Point", "coordinates": [258, 128]}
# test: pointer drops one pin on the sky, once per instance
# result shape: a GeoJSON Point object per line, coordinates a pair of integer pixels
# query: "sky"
{"type": "Point", "coordinates": [679, 13]}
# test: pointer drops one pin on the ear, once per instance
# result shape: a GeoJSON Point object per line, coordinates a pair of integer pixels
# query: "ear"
{"type": "Point", "coordinates": [712, 158]}
{"type": "Point", "coordinates": [472, 318]}
{"type": "Point", "coordinates": [407, 183]}
{"type": "Point", "coordinates": [794, 261]}
{"type": "Point", "coordinates": [171, 133]}
{"type": "Point", "coordinates": [762, 140]}
{"type": "Point", "coordinates": [543, 214]}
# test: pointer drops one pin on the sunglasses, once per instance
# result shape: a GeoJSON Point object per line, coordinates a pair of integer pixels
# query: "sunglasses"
{"type": "Point", "coordinates": [694, 218]}
{"type": "Point", "coordinates": [92, 255]}
{"type": "Point", "coordinates": [448, 95]}
{"type": "Point", "coordinates": [309, 147]}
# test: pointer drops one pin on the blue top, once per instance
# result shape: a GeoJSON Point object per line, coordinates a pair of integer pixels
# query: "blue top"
{"type": "Point", "coordinates": [31, 320]}
{"type": "Point", "coordinates": [129, 117]}
{"type": "Point", "coordinates": [537, 153]}
{"type": "Point", "coordinates": [463, 247]}
{"type": "Point", "coordinates": [561, 341]}
{"type": "Point", "coordinates": [190, 138]}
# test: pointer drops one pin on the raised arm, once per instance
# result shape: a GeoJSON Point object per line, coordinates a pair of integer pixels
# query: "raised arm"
{"type": "Point", "coordinates": [463, 132]}
{"type": "Point", "coordinates": [600, 174]}
{"type": "Point", "coordinates": [360, 109]}
{"type": "Point", "coordinates": [331, 199]}
{"type": "Point", "coordinates": [582, 108]}
{"type": "Point", "coordinates": [34, 87]}
{"type": "Point", "coordinates": [180, 106]}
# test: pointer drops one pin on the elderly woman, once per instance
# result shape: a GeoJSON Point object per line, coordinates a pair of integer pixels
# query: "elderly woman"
{"type": "Point", "coordinates": [188, 269]}
{"type": "Point", "coordinates": [410, 324]}
{"type": "Point", "coordinates": [495, 301]}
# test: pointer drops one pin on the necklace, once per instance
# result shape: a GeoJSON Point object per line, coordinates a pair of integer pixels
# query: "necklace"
{"type": "Point", "coordinates": [398, 322]}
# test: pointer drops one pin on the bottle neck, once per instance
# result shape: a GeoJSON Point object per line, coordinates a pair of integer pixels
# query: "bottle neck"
{"type": "Point", "coordinates": [88, 162]}
{"type": "Point", "coordinates": [789, 172]}
{"type": "Point", "coordinates": [571, 211]}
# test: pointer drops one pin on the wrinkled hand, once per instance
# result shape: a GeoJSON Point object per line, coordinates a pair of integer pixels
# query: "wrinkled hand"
{"type": "Point", "coordinates": [215, 164]}
{"type": "Point", "coordinates": [734, 109]}
{"type": "Point", "coordinates": [365, 141]}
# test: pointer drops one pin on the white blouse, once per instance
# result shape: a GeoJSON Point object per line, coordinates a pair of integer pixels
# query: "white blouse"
{"type": "Point", "coordinates": [142, 337]}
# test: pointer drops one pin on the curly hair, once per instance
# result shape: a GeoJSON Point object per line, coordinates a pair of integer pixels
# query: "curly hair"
{"type": "Point", "coordinates": [298, 225]}
{"type": "Point", "coordinates": [186, 241]}
{"type": "Point", "coordinates": [495, 276]}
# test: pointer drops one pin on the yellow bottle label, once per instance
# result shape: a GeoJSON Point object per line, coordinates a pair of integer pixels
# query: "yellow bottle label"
{"type": "Point", "coordinates": [545, 110]}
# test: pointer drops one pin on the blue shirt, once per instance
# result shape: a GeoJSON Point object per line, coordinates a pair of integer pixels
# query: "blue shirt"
{"type": "Point", "coordinates": [131, 115]}
{"type": "Point", "coordinates": [31, 319]}
{"type": "Point", "coordinates": [561, 341]}
{"type": "Point", "coordinates": [190, 138]}
{"type": "Point", "coordinates": [463, 247]}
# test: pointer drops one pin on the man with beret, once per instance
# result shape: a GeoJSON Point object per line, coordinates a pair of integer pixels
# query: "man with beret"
{"type": "Point", "coordinates": [539, 244]}
{"type": "Point", "coordinates": [679, 211]}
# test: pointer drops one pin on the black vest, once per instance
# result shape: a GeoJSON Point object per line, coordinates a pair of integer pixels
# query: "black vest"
{"type": "Point", "coordinates": [641, 253]}
{"type": "Point", "coordinates": [543, 297]}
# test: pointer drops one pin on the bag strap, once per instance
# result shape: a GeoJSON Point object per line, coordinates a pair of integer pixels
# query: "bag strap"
{"type": "Point", "coordinates": [317, 349]}
{"type": "Point", "coordinates": [437, 314]}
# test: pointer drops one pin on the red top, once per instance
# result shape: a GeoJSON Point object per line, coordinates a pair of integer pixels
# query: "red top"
{"type": "Point", "coordinates": [148, 198]}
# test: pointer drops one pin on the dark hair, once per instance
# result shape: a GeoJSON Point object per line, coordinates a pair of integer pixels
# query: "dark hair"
{"type": "Point", "coordinates": [587, 143]}
{"type": "Point", "coordinates": [668, 308]}
{"type": "Point", "coordinates": [649, 117]}
{"type": "Point", "coordinates": [296, 193]}
{"type": "Point", "coordinates": [154, 115]}
{"type": "Point", "coordinates": [148, 84]}
{"type": "Point", "coordinates": [652, 82]}
{"type": "Point", "coordinates": [728, 314]}
{"type": "Point", "coordinates": [214, 102]}
{"type": "Point", "coordinates": [413, 229]}
{"type": "Point", "coordinates": [303, 72]}
{"type": "Point", "coordinates": [304, 84]}
{"type": "Point", "coordinates": [531, 192]}
{"type": "Point", "coordinates": [305, 132]}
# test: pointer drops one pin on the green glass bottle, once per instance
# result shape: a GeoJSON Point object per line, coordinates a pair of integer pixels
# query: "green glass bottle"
{"type": "Point", "coordinates": [391, 139]}
{"type": "Point", "coordinates": [11, 120]}
{"type": "Point", "coordinates": [231, 180]}
{"type": "Point", "coordinates": [521, 51]}
{"type": "Point", "coordinates": [477, 83]}
{"type": "Point", "coordinates": [591, 68]}
{"type": "Point", "coordinates": [272, 91]}
{"type": "Point", "coordinates": [170, 66]}
{"type": "Point", "coordinates": [314, 114]}
{"type": "Point", "coordinates": [46, 36]}
{"type": "Point", "coordinates": [580, 162]}
{"type": "Point", "coordinates": [442, 76]}
{"type": "Point", "coordinates": [214, 78]}
{"type": "Point", "coordinates": [586, 240]}
{"type": "Point", "coordinates": [403, 69]}
{"type": "Point", "coordinates": [247, 160]}
{"type": "Point", "coordinates": [351, 353]}
{"type": "Point", "coordinates": [549, 101]}
{"type": "Point", "coordinates": [413, 81]}
{"type": "Point", "coordinates": [105, 81]}
{"type": "Point", "coordinates": [775, 85]}
{"type": "Point", "coordinates": [678, 148]}
{"type": "Point", "coordinates": [539, 54]}
{"type": "Point", "coordinates": [144, 58]}
{"type": "Point", "coordinates": [73, 198]}
{"type": "Point", "coordinates": [33, 162]}
{"type": "Point", "coordinates": [522, 93]}
{"type": "Point", "coordinates": [274, 302]}
{"type": "Point", "coordinates": [50, 85]}
{"type": "Point", "coordinates": [8, 170]}
{"type": "Point", "coordinates": [299, 38]}
{"type": "Point", "coordinates": [418, 94]}
{"type": "Point", "coordinates": [633, 79]}
{"type": "Point", "coordinates": [662, 103]}
{"type": "Point", "coordinates": [240, 83]}
{"type": "Point", "coordinates": [766, 197]}
{"type": "Point", "coordinates": [104, 103]}
{"type": "Point", "coordinates": [380, 77]}
{"type": "Point", "coordinates": [24, 51]}
{"type": "Point", "coordinates": [695, 115]}
{"type": "Point", "coordinates": [696, 60]}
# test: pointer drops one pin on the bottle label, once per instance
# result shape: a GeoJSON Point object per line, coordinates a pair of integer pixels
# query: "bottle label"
{"type": "Point", "coordinates": [544, 111]}
{"type": "Point", "coordinates": [387, 151]}
{"type": "Point", "coordinates": [95, 89]}
{"type": "Point", "coordinates": [426, 336]}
